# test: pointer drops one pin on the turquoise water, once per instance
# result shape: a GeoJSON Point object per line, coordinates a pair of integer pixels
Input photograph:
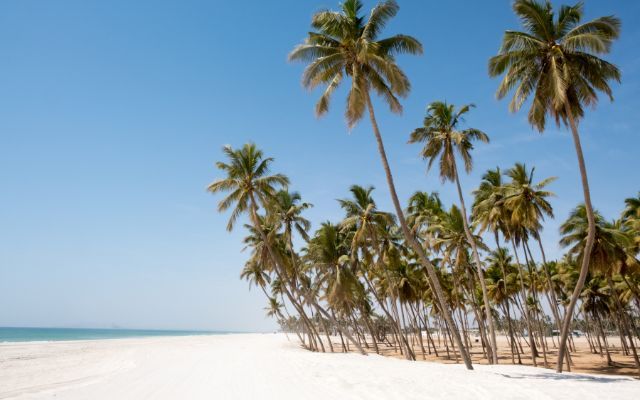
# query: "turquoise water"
{"type": "Point", "coordinates": [58, 334]}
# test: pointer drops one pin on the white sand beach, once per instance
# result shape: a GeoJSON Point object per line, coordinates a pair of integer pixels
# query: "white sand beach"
{"type": "Point", "coordinates": [267, 366]}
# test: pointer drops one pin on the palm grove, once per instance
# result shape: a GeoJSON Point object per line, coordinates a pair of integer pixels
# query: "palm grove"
{"type": "Point", "coordinates": [422, 278]}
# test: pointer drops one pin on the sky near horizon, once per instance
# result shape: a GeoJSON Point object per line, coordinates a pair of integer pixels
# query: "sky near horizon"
{"type": "Point", "coordinates": [112, 115]}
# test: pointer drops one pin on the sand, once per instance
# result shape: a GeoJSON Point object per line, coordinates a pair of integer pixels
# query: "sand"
{"type": "Point", "coordinates": [583, 359]}
{"type": "Point", "coordinates": [267, 366]}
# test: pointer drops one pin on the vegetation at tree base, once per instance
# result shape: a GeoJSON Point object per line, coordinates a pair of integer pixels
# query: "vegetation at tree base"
{"type": "Point", "coordinates": [422, 273]}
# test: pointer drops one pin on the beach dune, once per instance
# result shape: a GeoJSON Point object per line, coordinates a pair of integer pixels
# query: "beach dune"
{"type": "Point", "coordinates": [267, 366]}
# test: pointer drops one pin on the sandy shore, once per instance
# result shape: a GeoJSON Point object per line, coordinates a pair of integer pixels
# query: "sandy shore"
{"type": "Point", "coordinates": [267, 366]}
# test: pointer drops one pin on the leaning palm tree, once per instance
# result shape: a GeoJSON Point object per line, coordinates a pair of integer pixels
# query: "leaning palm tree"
{"type": "Point", "coordinates": [346, 45]}
{"type": "Point", "coordinates": [501, 284]}
{"type": "Point", "coordinates": [248, 180]}
{"type": "Point", "coordinates": [527, 205]}
{"type": "Point", "coordinates": [556, 61]}
{"type": "Point", "coordinates": [251, 186]}
{"type": "Point", "coordinates": [450, 239]}
{"type": "Point", "coordinates": [488, 211]}
{"type": "Point", "coordinates": [363, 218]}
{"type": "Point", "coordinates": [609, 255]}
{"type": "Point", "coordinates": [366, 225]}
{"type": "Point", "coordinates": [631, 218]}
{"type": "Point", "coordinates": [424, 208]}
{"type": "Point", "coordinates": [288, 207]}
{"type": "Point", "coordinates": [442, 138]}
{"type": "Point", "coordinates": [527, 201]}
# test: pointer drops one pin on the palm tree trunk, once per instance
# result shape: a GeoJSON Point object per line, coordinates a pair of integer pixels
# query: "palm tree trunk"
{"type": "Point", "coordinates": [588, 332]}
{"type": "Point", "coordinates": [604, 338]}
{"type": "Point", "coordinates": [393, 293]}
{"type": "Point", "coordinates": [437, 288]}
{"type": "Point", "coordinates": [278, 263]}
{"type": "Point", "coordinates": [279, 313]}
{"type": "Point", "coordinates": [493, 349]}
{"type": "Point", "coordinates": [394, 325]}
{"type": "Point", "coordinates": [584, 269]}
{"type": "Point", "coordinates": [632, 288]}
{"type": "Point", "coordinates": [478, 314]}
{"type": "Point", "coordinates": [554, 298]}
{"type": "Point", "coordinates": [623, 321]}
{"type": "Point", "coordinates": [411, 356]}
{"type": "Point", "coordinates": [418, 330]}
{"type": "Point", "coordinates": [514, 344]}
{"type": "Point", "coordinates": [429, 337]}
{"type": "Point", "coordinates": [367, 322]}
{"type": "Point", "coordinates": [525, 309]}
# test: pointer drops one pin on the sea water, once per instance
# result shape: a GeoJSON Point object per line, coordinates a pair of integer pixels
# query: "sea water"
{"type": "Point", "coordinates": [58, 334]}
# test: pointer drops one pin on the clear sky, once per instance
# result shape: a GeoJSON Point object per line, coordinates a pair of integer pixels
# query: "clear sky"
{"type": "Point", "coordinates": [112, 114]}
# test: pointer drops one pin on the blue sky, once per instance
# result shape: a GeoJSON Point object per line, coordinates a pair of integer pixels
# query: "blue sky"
{"type": "Point", "coordinates": [113, 113]}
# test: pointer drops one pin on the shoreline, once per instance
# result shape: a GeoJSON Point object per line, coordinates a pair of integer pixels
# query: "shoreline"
{"type": "Point", "coordinates": [46, 334]}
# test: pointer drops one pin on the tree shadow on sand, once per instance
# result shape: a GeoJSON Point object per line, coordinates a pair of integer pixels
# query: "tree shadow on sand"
{"type": "Point", "coordinates": [566, 377]}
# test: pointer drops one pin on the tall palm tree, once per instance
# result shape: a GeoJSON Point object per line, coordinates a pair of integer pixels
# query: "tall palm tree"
{"type": "Point", "coordinates": [451, 240]}
{"type": "Point", "coordinates": [527, 205]}
{"type": "Point", "coordinates": [442, 138]}
{"type": "Point", "coordinates": [424, 208]}
{"type": "Point", "coordinates": [367, 226]}
{"type": "Point", "coordinates": [363, 218]}
{"type": "Point", "coordinates": [611, 249]}
{"type": "Point", "coordinates": [556, 61]}
{"type": "Point", "coordinates": [609, 255]}
{"type": "Point", "coordinates": [255, 273]}
{"type": "Point", "coordinates": [631, 218]}
{"type": "Point", "coordinates": [248, 180]}
{"type": "Point", "coordinates": [346, 45]}
{"type": "Point", "coordinates": [288, 206]}
{"type": "Point", "coordinates": [286, 210]}
{"type": "Point", "coordinates": [527, 201]}
{"type": "Point", "coordinates": [596, 302]}
{"type": "Point", "coordinates": [501, 284]}
{"type": "Point", "coordinates": [488, 211]}
{"type": "Point", "coordinates": [328, 253]}
{"type": "Point", "coordinates": [250, 186]}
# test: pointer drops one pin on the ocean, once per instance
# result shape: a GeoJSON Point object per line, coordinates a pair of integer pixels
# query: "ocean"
{"type": "Point", "coordinates": [59, 334]}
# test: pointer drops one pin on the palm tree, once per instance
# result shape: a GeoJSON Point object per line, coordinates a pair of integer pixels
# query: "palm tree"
{"type": "Point", "coordinates": [596, 302]}
{"type": "Point", "coordinates": [488, 210]}
{"type": "Point", "coordinates": [327, 251]}
{"type": "Point", "coordinates": [250, 185]}
{"type": "Point", "coordinates": [254, 272]}
{"type": "Point", "coordinates": [527, 201]}
{"type": "Point", "coordinates": [501, 284]}
{"type": "Point", "coordinates": [556, 61]}
{"type": "Point", "coordinates": [367, 225]}
{"type": "Point", "coordinates": [423, 210]}
{"type": "Point", "coordinates": [451, 240]}
{"type": "Point", "coordinates": [286, 210]}
{"type": "Point", "coordinates": [441, 136]}
{"type": "Point", "coordinates": [609, 255]}
{"type": "Point", "coordinates": [363, 218]}
{"type": "Point", "coordinates": [631, 218]}
{"type": "Point", "coordinates": [288, 207]}
{"type": "Point", "coordinates": [611, 252]}
{"type": "Point", "coordinates": [527, 205]}
{"type": "Point", "coordinates": [346, 45]}
{"type": "Point", "coordinates": [247, 178]}
{"type": "Point", "coordinates": [273, 309]}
